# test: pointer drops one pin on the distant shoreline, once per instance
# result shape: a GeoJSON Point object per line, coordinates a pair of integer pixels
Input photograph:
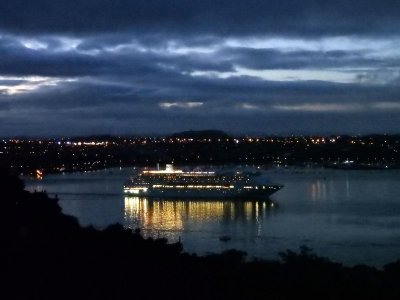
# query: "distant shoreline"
{"type": "Point", "coordinates": [36, 156]}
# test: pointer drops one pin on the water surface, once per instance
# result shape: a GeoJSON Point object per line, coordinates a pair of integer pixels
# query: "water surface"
{"type": "Point", "coordinates": [349, 216]}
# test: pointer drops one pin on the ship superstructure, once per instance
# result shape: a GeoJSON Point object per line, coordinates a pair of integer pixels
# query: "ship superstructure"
{"type": "Point", "coordinates": [173, 183]}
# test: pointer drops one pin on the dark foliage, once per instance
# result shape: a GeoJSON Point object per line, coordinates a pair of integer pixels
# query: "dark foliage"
{"type": "Point", "coordinates": [46, 254]}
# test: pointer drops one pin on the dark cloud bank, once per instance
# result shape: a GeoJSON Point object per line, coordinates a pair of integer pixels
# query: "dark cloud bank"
{"type": "Point", "coordinates": [232, 17]}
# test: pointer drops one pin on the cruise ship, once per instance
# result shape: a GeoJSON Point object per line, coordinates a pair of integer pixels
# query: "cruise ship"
{"type": "Point", "coordinates": [174, 183]}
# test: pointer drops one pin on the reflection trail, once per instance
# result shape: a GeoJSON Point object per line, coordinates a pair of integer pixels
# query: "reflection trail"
{"type": "Point", "coordinates": [173, 216]}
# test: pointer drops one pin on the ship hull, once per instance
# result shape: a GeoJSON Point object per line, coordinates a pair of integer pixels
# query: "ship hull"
{"type": "Point", "coordinates": [205, 194]}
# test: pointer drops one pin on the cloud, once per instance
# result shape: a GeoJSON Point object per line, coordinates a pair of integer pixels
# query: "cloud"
{"type": "Point", "coordinates": [133, 66]}
{"type": "Point", "coordinates": [267, 58]}
{"type": "Point", "coordinates": [248, 106]}
{"type": "Point", "coordinates": [387, 105]}
{"type": "Point", "coordinates": [206, 17]}
{"type": "Point", "coordinates": [26, 84]}
{"type": "Point", "coordinates": [131, 58]}
{"type": "Point", "coordinates": [185, 105]}
{"type": "Point", "coordinates": [319, 107]}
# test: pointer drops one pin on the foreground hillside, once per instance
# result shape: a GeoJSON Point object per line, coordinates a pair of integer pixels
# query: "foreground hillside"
{"type": "Point", "coordinates": [46, 254]}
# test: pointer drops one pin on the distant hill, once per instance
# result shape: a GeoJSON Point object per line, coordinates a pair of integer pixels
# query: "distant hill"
{"type": "Point", "coordinates": [201, 134]}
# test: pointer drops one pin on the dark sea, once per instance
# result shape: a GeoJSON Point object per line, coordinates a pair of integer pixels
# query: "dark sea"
{"type": "Point", "coordinates": [352, 217]}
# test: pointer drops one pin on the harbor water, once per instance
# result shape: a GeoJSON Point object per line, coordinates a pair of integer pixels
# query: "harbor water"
{"type": "Point", "coordinates": [349, 216]}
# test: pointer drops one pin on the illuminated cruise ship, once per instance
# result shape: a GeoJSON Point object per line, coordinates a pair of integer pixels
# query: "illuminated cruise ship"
{"type": "Point", "coordinates": [173, 183]}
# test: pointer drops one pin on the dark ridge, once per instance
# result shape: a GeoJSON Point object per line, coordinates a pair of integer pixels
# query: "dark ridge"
{"type": "Point", "coordinates": [201, 134]}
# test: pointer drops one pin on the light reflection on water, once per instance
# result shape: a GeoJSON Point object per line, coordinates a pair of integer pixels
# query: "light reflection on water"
{"type": "Point", "coordinates": [173, 216]}
{"type": "Point", "coordinates": [318, 190]}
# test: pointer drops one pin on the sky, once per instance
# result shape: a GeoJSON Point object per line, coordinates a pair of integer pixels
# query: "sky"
{"type": "Point", "coordinates": [125, 67]}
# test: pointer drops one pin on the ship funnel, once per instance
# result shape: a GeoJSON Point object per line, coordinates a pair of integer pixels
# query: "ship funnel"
{"type": "Point", "coordinates": [169, 167]}
{"type": "Point", "coordinates": [158, 167]}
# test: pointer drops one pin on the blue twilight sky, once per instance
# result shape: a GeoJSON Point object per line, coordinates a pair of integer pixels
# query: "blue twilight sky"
{"type": "Point", "coordinates": [244, 66]}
